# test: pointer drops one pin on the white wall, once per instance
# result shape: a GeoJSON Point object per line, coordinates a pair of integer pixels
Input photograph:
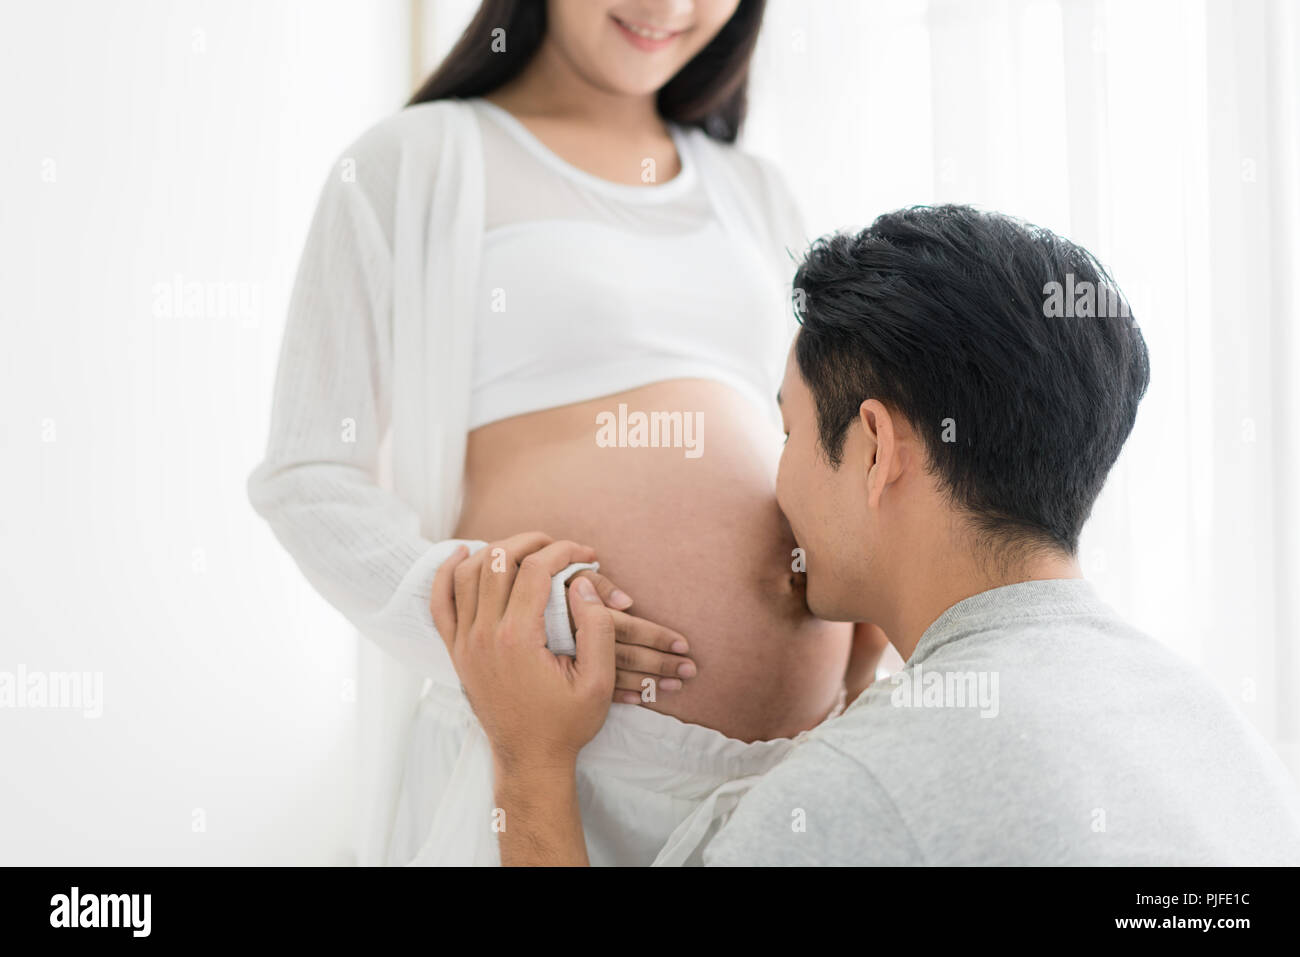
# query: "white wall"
{"type": "Point", "coordinates": [151, 143]}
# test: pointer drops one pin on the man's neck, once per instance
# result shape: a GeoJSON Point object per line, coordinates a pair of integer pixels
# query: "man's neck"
{"type": "Point", "coordinates": [939, 584]}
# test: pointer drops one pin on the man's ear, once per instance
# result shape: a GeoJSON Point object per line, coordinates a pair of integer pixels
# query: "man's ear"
{"type": "Point", "coordinates": [882, 458]}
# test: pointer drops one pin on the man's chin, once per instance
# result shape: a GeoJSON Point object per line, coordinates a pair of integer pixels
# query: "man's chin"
{"type": "Point", "coordinates": [823, 608]}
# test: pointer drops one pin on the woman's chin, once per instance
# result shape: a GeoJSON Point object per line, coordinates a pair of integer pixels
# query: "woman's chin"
{"type": "Point", "coordinates": [617, 80]}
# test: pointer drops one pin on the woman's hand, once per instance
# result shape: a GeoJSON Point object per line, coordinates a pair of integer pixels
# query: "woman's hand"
{"type": "Point", "coordinates": [536, 708]}
{"type": "Point", "coordinates": [650, 658]}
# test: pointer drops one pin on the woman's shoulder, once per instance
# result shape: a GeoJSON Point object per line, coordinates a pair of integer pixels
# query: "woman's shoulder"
{"type": "Point", "coordinates": [421, 128]}
{"type": "Point", "coordinates": [760, 179]}
{"type": "Point", "coordinates": [755, 171]}
{"type": "Point", "coordinates": [423, 138]}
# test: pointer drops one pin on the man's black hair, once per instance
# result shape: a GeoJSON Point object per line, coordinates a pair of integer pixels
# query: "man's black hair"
{"type": "Point", "coordinates": [1008, 349]}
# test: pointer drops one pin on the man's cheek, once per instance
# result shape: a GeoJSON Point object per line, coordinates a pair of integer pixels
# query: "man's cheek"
{"type": "Point", "coordinates": [784, 500]}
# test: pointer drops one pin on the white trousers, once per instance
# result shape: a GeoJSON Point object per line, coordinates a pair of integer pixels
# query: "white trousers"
{"type": "Point", "coordinates": [653, 789]}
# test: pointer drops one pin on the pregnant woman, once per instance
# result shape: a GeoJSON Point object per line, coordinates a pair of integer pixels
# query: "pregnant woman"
{"type": "Point", "coordinates": [555, 244]}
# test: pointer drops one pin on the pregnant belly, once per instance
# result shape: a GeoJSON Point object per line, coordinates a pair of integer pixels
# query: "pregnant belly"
{"type": "Point", "coordinates": [690, 529]}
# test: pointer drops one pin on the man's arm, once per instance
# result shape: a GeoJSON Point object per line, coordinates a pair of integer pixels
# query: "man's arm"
{"type": "Point", "coordinates": [543, 824]}
{"type": "Point", "coordinates": [537, 709]}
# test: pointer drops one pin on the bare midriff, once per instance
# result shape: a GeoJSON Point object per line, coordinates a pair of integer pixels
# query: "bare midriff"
{"type": "Point", "coordinates": [696, 539]}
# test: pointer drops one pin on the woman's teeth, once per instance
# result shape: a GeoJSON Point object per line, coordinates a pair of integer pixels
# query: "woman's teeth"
{"type": "Point", "coordinates": [645, 31]}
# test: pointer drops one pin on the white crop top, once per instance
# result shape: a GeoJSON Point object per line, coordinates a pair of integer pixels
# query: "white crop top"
{"type": "Point", "coordinates": [589, 288]}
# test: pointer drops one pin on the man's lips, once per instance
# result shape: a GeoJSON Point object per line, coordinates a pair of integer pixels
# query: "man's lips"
{"type": "Point", "coordinates": [645, 37]}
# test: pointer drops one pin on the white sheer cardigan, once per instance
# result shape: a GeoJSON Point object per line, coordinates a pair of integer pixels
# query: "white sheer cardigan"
{"type": "Point", "coordinates": [361, 481]}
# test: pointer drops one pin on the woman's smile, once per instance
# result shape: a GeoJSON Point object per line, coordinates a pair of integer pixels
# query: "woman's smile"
{"type": "Point", "coordinates": [645, 37]}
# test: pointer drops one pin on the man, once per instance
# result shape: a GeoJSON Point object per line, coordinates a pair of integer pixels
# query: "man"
{"type": "Point", "coordinates": [948, 433]}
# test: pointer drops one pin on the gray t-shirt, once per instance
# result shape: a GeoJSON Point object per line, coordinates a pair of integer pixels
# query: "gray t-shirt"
{"type": "Point", "coordinates": [1030, 726]}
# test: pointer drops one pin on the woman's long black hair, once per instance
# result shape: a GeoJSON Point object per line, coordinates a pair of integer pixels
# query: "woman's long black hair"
{"type": "Point", "coordinates": [708, 92]}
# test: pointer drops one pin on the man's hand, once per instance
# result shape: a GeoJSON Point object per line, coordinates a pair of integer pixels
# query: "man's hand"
{"type": "Point", "coordinates": [537, 709]}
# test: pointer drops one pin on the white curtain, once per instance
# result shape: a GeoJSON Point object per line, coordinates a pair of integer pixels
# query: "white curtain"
{"type": "Point", "coordinates": [160, 161]}
{"type": "Point", "coordinates": [1164, 135]}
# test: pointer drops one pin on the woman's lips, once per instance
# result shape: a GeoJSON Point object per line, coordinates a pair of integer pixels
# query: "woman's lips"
{"type": "Point", "coordinates": [645, 37]}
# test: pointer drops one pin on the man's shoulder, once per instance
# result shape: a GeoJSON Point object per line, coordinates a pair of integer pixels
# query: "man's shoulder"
{"type": "Point", "coordinates": [1046, 693]}
{"type": "Point", "coordinates": [1020, 746]}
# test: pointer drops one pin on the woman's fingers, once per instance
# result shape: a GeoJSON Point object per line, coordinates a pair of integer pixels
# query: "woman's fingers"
{"type": "Point", "coordinates": [636, 681]}
{"type": "Point", "coordinates": [631, 630]}
{"type": "Point", "coordinates": [647, 661]}
{"type": "Point", "coordinates": [610, 594]}
{"type": "Point", "coordinates": [630, 687]}
{"type": "Point", "coordinates": [644, 652]}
